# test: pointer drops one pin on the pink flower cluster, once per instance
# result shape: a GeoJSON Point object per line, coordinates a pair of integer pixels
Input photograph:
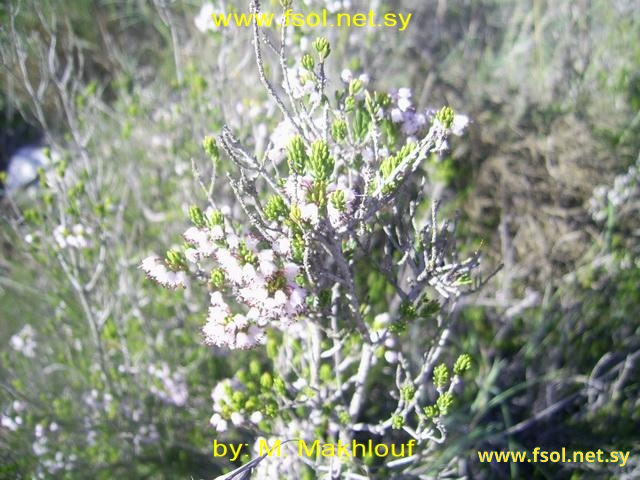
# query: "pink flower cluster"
{"type": "Point", "coordinates": [157, 270]}
{"type": "Point", "coordinates": [260, 280]}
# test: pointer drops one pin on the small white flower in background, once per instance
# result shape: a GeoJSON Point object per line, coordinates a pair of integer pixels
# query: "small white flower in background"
{"type": "Point", "coordinates": [204, 20]}
{"type": "Point", "coordinates": [280, 139]}
{"type": "Point", "coordinates": [459, 124]}
{"type": "Point", "coordinates": [174, 387]}
{"type": "Point", "coordinates": [24, 341]}
{"type": "Point", "coordinates": [74, 237]}
{"type": "Point", "coordinates": [8, 423]}
{"type": "Point", "coordinates": [346, 75]}
{"type": "Point", "coordinates": [404, 99]}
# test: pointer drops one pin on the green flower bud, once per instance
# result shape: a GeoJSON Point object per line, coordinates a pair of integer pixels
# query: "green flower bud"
{"type": "Point", "coordinates": [246, 255]}
{"type": "Point", "coordinates": [431, 411]}
{"type": "Point", "coordinates": [266, 381]}
{"type": "Point", "coordinates": [397, 422]}
{"type": "Point", "coordinates": [251, 405]}
{"type": "Point", "coordinates": [295, 214]}
{"type": "Point", "coordinates": [338, 201]}
{"type": "Point", "coordinates": [440, 376]}
{"type": "Point", "coordinates": [462, 365]}
{"type": "Point", "coordinates": [297, 155]}
{"type": "Point", "coordinates": [445, 116]}
{"type": "Point", "coordinates": [196, 216]}
{"type": "Point", "coordinates": [217, 278]}
{"type": "Point", "coordinates": [61, 169]}
{"type": "Point", "coordinates": [398, 327]}
{"type": "Point", "coordinates": [445, 402]}
{"type": "Point", "coordinates": [308, 63]}
{"type": "Point", "coordinates": [275, 208]}
{"type": "Point", "coordinates": [349, 104]}
{"type": "Point", "coordinates": [276, 282]}
{"type": "Point", "coordinates": [344, 418]}
{"type": "Point", "coordinates": [361, 124]}
{"type": "Point", "coordinates": [211, 147]}
{"type": "Point", "coordinates": [320, 162]}
{"type": "Point", "coordinates": [297, 248]}
{"type": "Point", "coordinates": [42, 177]}
{"type": "Point", "coordinates": [322, 46]}
{"type": "Point", "coordinates": [408, 310]}
{"type": "Point", "coordinates": [387, 166]}
{"type": "Point", "coordinates": [214, 217]}
{"type": "Point", "coordinates": [237, 399]}
{"type": "Point", "coordinates": [318, 193]}
{"type": "Point", "coordinates": [279, 387]}
{"type": "Point", "coordinates": [176, 260]}
{"type": "Point", "coordinates": [339, 130]}
{"type": "Point", "coordinates": [355, 86]}
{"type": "Point", "coordinates": [382, 99]}
{"type": "Point", "coordinates": [270, 410]}
{"type": "Point", "coordinates": [407, 392]}
{"type": "Point", "coordinates": [255, 368]}
{"type": "Point", "coordinates": [31, 216]}
{"type": "Point", "coordinates": [326, 373]}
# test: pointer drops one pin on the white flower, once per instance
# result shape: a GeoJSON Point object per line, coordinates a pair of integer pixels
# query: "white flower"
{"type": "Point", "coordinates": [282, 246]}
{"type": "Point", "coordinates": [266, 263]}
{"type": "Point", "coordinates": [216, 335]}
{"type": "Point", "coordinates": [257, 335]}
{"type": "Point", "coordinates": [237, 419]}
{"type": "Point", "coordinates": [76, 237]}
{"type": "Point", "coordinates": [404, 92]}
{"type": "Point", "coordinates": [256, 417]}
{"type": "Point", "coordinates": [404, 104]}
{"type": "Point", "coordinates": [219, 423]}
{"type": "Point", "coordinates": [280, 139]}
{"type": "Point", "coordinates": [297, 297]}
{"type": "Point", "coordinates": [391, 357]}
{"type": "Point", "coordinates": [8, 423]}
{"type": "Point", "coordinates": [309, 212]}
{"type": "Point", "coordinates": [346, 75]}
{"type": "Point", "coordinates": [291, 271]}
{"type": "Point", "coordinates": [24, 341]}
{"type": "Point", "coordinates": [396, 115]}
{"type": "Point", "coordinates": [248, 273]}
{"type": "Point", "coordinates": [459, 124]}
{"type": "Point", "coordinates": [204, 19]}
{"type": "Point", "coordinates": [200, 239]}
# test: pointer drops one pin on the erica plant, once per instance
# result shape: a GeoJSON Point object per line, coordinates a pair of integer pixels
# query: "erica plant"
{"type": "Point", "coordinates": [333, 255]}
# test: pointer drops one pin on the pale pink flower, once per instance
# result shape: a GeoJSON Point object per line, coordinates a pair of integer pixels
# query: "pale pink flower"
{"type": "Point", "coordinates": [282, 246]}
{"type": "Point", "coordinates": [219, 423]}
{"type": "Point", "coordinates": [309, 212]}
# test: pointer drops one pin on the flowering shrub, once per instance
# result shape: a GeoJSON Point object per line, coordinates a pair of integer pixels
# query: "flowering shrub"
{"type": "Point", "coordinates": [333, 257]}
